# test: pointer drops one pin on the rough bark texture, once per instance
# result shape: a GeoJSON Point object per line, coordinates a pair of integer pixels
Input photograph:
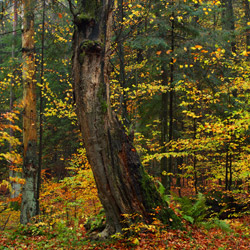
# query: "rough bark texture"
{"type": "Point", "coordinates": [30, 164]}
{"type": "Point", "coordinates": [123, 186]}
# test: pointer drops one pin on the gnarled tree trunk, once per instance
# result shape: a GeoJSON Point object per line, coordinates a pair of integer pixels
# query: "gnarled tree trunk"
{"type": "Point", "coordinates": [29, 206]}
{"type": "Point", "coordinates": [123, 186]}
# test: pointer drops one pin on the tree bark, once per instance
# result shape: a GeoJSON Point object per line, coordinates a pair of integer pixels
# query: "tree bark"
{"type": "Point", "coordinates": [16, 187]}
{"type": "Point", "coordinates": [171, 99]}
{"type": "Point", "coordinates": [41, 108]}
{"type": "Point", "coordinates": [164, 131]}
{"type": "Point", "coordinates": [167, 112]}
{"type": "Point", "coordinates": [247, 20]}
{"type": "Point", "coordinates": [228, 22]}
{"type": "Point", "coordinates": [30, 164]}
{"type": "Point", "coordinates": [122, 77]}
{"type": "Point", "coordinates": [123, 186]}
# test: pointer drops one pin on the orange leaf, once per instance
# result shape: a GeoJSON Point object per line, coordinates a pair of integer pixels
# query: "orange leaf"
{"type": "Point", "coordinates": [198, 46]}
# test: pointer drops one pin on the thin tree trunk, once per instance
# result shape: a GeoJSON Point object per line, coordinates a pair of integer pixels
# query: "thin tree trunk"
{"type": "Point", "coordinates": [227, 167]}
{"type": "Point", "coordinates": [228, 22]}
{"type": "Point", "coordinates": [30, 164]}
{"type": "Point", "coordinates": [171, 100]}
{"type": "Point", "coordinates": [195, 161]}
{"type": "Point", "coordinates": [230, 172]}
{"type": "Point", "coordinates": [164, 121]}
{"type": "Point", "coordinates": [247, 18]}
{"type": "Point", "coordinates": [123, 186]}
{"type": "Point", "coordinates": [41, 110]}
{"type": "Point", "coordinates": [16, 187]}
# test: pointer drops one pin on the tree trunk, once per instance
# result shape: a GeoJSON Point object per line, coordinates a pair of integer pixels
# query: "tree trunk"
{"type": "Point", "coordinates": [171, 99]}
{"type": "Point", "coordinates": [123, 186]}
{"type": "Point", "coordinates": [227, 167]}
{"type": "Point", "coordinates": [164, 131]}
{"type": "Point", "coordinates": [228, 22]}
{"type": "Point", "coordinates": [15, 186]}
{"type": "Point", "coordinates": [195, 160]}
{"type": "Point", "coordinates": [167, 113]}
{"type": "Point", "coordinates": [247, 20]}
{"type": "Point", "coordinates": [123, 99]}
{"type": "Point", "coordinates": [41, 109]}
{"type": "Point", "coordinates": [30, 164]}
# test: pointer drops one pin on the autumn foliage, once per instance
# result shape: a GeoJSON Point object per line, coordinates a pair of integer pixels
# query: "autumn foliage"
{"type": "Point", "coordinates": [179, 83]}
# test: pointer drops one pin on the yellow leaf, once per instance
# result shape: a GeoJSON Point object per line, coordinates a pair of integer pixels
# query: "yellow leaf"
{"type": "Point", "coordinates": [136, 241]}
{"type": "Point", "coordinates": [245, 53]}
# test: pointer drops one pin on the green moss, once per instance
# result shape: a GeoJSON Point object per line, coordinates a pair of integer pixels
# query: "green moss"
{"type": "Point", "coordinates": [85, 17]}
{"type": "Point", "coordinates": [153, 199]}
{"type": "Point", "coordinates": [91, 45]}
{"type": "Point", "coordinates": [81, 57]}
{"type": "Point", "coordinates": [89, 10]}
{"type": "Point", "coordinates": [104, 106]}
{"type": "Point", "coordinates": [150, 191]}
{"type": "Point", "coordinates": [92, 8]}
{"type": "Point", "coordinates": [87, 44]}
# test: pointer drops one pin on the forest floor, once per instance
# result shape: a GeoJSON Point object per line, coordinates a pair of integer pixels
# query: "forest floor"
{"type": "Point", "coordinates": [65, 207]}
{"type": "Point", "coordinates": [64, 236]}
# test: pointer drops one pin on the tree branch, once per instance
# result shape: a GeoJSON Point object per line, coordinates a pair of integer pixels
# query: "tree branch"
{"type": "Point", "coordinates": [72, 7]}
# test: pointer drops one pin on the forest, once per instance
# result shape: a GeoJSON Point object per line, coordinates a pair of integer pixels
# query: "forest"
{"type": "Point", "coordinates": [124, 124]}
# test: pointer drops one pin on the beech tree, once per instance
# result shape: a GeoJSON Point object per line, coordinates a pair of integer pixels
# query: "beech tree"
{"type": "Point", "coordinates": [123, 185]}
{"type": "Point", "coordinates": [29, 206]}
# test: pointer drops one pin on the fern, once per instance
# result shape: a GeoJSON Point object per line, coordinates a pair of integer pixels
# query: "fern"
{"type": "Point", "coordinates": [216, 223]}
{"type": "Point", "coordinates": [162, 190]}
{"type": "Point", "coordinates": [222, 225]}
{"type": "Point", "coordinates": [196, 213]}
{"type": "Point", "coordinates": [199, 209]}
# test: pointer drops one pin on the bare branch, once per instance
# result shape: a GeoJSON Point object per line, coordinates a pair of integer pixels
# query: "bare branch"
{"type": "Point", "coordinates": [72, 8]}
